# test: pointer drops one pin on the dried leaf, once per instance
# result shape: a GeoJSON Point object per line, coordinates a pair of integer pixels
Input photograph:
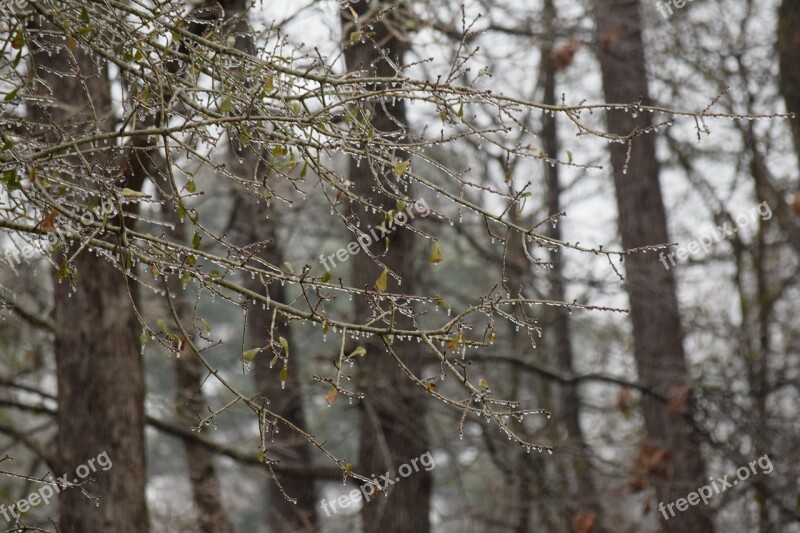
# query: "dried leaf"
{"type": "Point", "coordinates": [331, 396]}
{"type": "Point", "coordinates": [49, 223]}
{"type": "Point", "coordinates": [563, 55]}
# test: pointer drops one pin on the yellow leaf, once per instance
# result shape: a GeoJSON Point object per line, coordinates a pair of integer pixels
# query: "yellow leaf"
{"type": "Point", "coordinates": [436, 256]}
{"type": "Point", "coordinates": [382, 283]}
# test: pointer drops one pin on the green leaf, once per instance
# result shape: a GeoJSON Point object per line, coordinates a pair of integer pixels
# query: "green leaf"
{"type": "Point", "coordinates": [288, 266]}
{"type": "Point", "coordinates": [460, 112]}
{"type": "Point", "coordinates": [326, 277]}
{"type": "Point", "coordinates": [130, 193]}
{"type": "Point", "coordinates": [274, 361]}
{"type": "Point", "coordinates": [18, 41]}
{"type": "Point", "coordinates": [284, 374]}
{"type": "Point", "coordinates": [206, 325]}
{"type": "Point", "coordinates": [401, 206]}
{"type": "Point", "coordinates": [226, 105]}
{"type": "Point", "coordinates": [382, 283]}
{"type": "Point", "coordinates": [162, 325]}
{"type": "Point", "coordinates": [250, 355]}
{"type": "Point", "coordinates": [190, 186]}
{"type": "Point", "coordinates": [269, 84]}
{"type": "Point", "coordinates": [356, 35]}
{"type": "Point", "coordinates": [399, 168]}
{"type": "Point", "coordinates": [181, 210]}
{"type": "Point", "coordinates": [285, 344]}
{"type": "Point", "coordinates": [85, 15]}
{"type": "Point", "coordinates": [196, 241]}
{"type": "Point", "coordinates": [436, 256]}
{"type": "Point", "coordinates": [569, 157]}
{"type": "Point", "coordinates": [144, 338]}
{"type": "Point", "coordinates": [304, 171]}
{"type": "Point", "coordinates": [360, 351]}
{"type": "Point", "coordinates": [186, 277]}
{"type": "Point", "coordinates": [10, 96]}
{"type": "Point", "coordinates": [443, 304]}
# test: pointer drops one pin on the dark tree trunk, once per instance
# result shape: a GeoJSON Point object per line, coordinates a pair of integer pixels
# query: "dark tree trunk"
{"type": "Point", "coordinates": [658, 339]}
{"type": "Point", "coordinates": [98, 366]}
{"type": "Point", "coordinates": [393, 412]}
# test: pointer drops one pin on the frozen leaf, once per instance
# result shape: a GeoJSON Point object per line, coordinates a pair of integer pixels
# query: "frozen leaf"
{"type": "Point", "coordinates": [331, 396]}
{"type": "Point", "coordinates": [285, 344]}
{"type": "Point", "coordinates": [399, 168]}
{"type": "Point", "coordinates": [130, 193]}
{"type": "Point", "coordinates": [360, 351]}
{"type": "Point", "coordinates": [382, 283]}
{"type": "Point", "coordinates": [483, 385]}
{"type": "Point", "coordinates": [49, 223]}
{"type": "Point", "coordinates": [326, 277]}
{"type": "Point", "coordinates": [196, 241]}
{"type": "Point", "coordinates": [226, 105]}
{"type": "Point", "coordinates": [284, 374]}
{"type": "Point", "coordinates": [162, 325]}
{"type": "Point", "coordinates": [288, 266]}
{"type": "Point", "coordinates": [190, 186]}
{"type": "Point", "coordinates": [436, 256]}
{"type": "Point", "coordinates": [250, 355]}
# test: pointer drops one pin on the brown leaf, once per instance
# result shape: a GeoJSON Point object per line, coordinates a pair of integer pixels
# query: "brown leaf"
{"type": "Point", "coordinates": [49, 223]}
{"type": "Point", "coordinates": [609, 36]}
{"type": "Point", "coordinates": [331, 396]}
{"type": "Point", "coordinates": [624, 399]}
{"type": "Point", "coordinates": [636, 483]}
{"type": "Point", "coordinates": [677, 398]}
{"type": "Point", "coordinates": [563, 55]}
{"type": "Point", "coordinates": [584, 522]}
{"type": "Point", "coordinates": [796, 205]}
{"type": "Point", "coordinates": [653, 461]}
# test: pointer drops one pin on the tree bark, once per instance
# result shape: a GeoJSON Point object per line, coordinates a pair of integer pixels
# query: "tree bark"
{"type": "Point", "coordinates": [254, 224]}
{"type": "Point", "coordinates": [393, 412]}
{"type": "Point", "coordinates": [658, 338]}
{"type": "Point", "coordinates": [789, 56]}
{"type": "Point", "coordinates": [587, 506]}
{"type": "Point", "coordinates": [99, 369]}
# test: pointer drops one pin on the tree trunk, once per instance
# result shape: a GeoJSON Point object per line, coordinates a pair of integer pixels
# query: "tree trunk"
{"type": "Point", "coordinates": [587, 505]}
{"type": "Point", "coordinates": [393, 412]}
{"type": "Point", "coordinates": [98, 366]}
{"type": "Point", "coordinates": [252, 226]}
{"type": "Point", "coordinates": [658, 339]}
{"type": "Point", "coordinates": [789, 55]}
